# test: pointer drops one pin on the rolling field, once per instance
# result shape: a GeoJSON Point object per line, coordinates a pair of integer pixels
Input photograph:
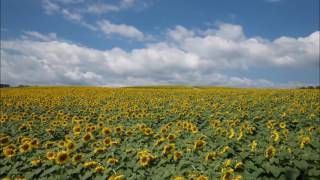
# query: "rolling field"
{"type": "Point", "coordinates": [159, 133]}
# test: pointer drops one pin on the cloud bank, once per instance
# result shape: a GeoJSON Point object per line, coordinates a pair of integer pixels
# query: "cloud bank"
{"type": "Point", "coordinates": [185, 56]}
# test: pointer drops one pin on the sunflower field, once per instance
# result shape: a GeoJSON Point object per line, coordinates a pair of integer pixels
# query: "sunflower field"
{"type": "Point", "coordinates": [170, 133]}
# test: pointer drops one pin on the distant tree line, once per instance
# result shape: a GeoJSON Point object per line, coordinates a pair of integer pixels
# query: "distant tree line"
{"type": "Point", "coordinates": [310, 87]}
{"type": "Point", "coordinates": [4, 85]}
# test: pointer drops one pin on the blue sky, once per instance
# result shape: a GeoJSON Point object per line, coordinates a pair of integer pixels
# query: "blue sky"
{"type": "Point", "coordinates": [273, 43]}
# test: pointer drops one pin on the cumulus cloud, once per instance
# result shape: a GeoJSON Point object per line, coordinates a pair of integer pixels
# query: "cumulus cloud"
{"type": "Point", "coordinates": [185, 57]}
{"type": "Point", "coordinates": [124, 30]}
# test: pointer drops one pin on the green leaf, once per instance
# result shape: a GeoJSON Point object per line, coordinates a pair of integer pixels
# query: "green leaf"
{"type": "Point", "coordinates": [291, 173]}
{"type": "Point", "coordinates": [86, 175]}
{"type": "Point", "coordinates": [314, 172]}
{"type": "Point", "coordinates": [302, 164]}
{"type": "Point", "coordinates": [49, 171]}
{"type": "Point", "coordinates": [275, 171]}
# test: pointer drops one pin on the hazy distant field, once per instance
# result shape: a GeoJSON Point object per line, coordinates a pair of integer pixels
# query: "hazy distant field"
{"type": "Point", "coordinates": [159, 133]}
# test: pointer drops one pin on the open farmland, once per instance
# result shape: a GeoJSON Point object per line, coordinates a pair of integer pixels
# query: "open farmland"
{"type": "Point", "coordinates": [159, 133]}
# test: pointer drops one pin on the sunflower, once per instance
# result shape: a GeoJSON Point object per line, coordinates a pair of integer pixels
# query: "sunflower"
{"type": "Point", "coordinates": [240, 135]}
{"type": "Point", "coordinates": [305, 140]}
{"type": "Point", "coordinates": [275, 135]}
{"type": "Point", "coordinates": [227, 163]}
{"type": "Point", "coordinates": [116, 177]}
{"type": "Point", "coordinates": [36, 162]}
{"type": "Point", "coordinates": [50, 131]}
{"type": "Point", "coordinates": [99, 169]}
{"type": "Point", "coordinates": [282, 125]}
{"type": "Point", "coordinates": [159, 141]}
{"type": "Point", "coordinates": [237, 177]}
{"type": "Point", "coordinates": [167, 149]}
{"type": "Point", "coordinates": [4, 141]}
{"type": "Point", "coordinates": [171, 137]}
{"type": "Point", "coordinates": [164, 130]}
{"type": "Point", "coordinates": [87, 137]}
{"type": "Point", "coordinates": [112, 161]}
{"type": "Point", "coordinates": [253, 145]}
{"type": "Point", "coordinates": [270, 152]}
{"type": "Point", "coordinates": [77, 158]}
{"type": "Point", "coordinates": [215, 123]}
{"type": "Point", "coordinates": [99, 150]}
{"type": "Point", "coordinates": [178, 178]}
{"type": "Point", "coordinates": [90, 164]}
{"type": "Point", "coordinates": [147, 131]}
{"type": "Point", "coordinates": [76, 130]}
{"type": "Point", "coordinates": [227, 174]}
{"type": "Point", "coordinates": [177, 155]}
{"type": "Point", "coordinates": [199, 144]}
{"type": "Point", "coordinates": [35, 142]}
{"type": "Point", "coordinates": [194, 129]}
{"type": "Point", "coordinates": [239, 166]}
{"type": "Point", "coordinates": [61, 143]}
{"type": "Point", "coordinates": [9, 151]}
{"type": "Point", "coordinates": [144, 160]}
{"type": "Point", "coordinates": [26, 147]}
{"type": "Point", "coordinates": [211, 156]}
{"type": "Point", "coordinates": [106, 131]}
{"type": "Point", "coordinates": [51, 155]}
{"type": "Point", "coordinates": [202, 178]}
{"type": "Point", "coordinates": [118, 129]}
{"type": "Point", "coordinates": [231, 133]}
{"type": "Point", "coordinates": [70, 146]}
{"type": "Point", "coordinates": [62, 157]}
{"type": "Point", "coordinates": [107, 141]}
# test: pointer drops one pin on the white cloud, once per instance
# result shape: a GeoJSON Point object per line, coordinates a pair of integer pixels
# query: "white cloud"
{"type": "Point", "coordinates": [50, 7]}
{"type": "Point", "coordinates": [186, 57]}
{"type": "Point", "coordinates": [124, 30]}
{"type": "Point", "coordinates": [71, 15]}
{"type": "Point", "coordinates": [99, 8]}
{"type": "Point", "coordinates": [38, 36]}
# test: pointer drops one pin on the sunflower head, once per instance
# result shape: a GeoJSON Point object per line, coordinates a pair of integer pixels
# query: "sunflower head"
{"type": "Point", "coordinates": [178, 178]}
{"type": "Point", "coordinates": [36, 162]}
{"type": "Point", "coordinates": [177, 155]}
{"type": "Point", "coordinates": [211, 156]}
{"type": "Point", "coordinates": [87, 137]}
{"type": "Point", "coordinates": [164, 130]}
{"type": "Point", "coordinates": [227, 174]}
{"type": "Point", "coordinates": [106, 131]}
{"type": "Point", "coordinates": [51, 155]}
{"type": "Point", "coordinates": [239, 166]}
{"type": "Point", "coordinates": [25, 147]}
{"type": "Point", "coordinates": [90, 164]}
{"type": "Point", "coordinates": [70, 145]}
{"type": "Point", "coordinates": [107, 141]}
{"type": "Point", "coordinates": [112, 161]}
{"type": "Point", "coordinates": [99, 169]}
{"type": "Point", "coordinates": [202, 178]}
{"type": "Point", "coordinates": [282, 125]}
{"type": "Point", "coordinates": [270, 152]}
{"type": "Point", "coordinates": [99, 150]}
{"type": "Point", "coordinates": [77, 158]}
{"type": "Point", "coordinates": [62, 157]}
{"type": "Point", "coordinates": [171, 137]}
{"type": "Point", "coordinates": [144, 160]}
{"type": "Point", "coordinates": [9, 151]}
{"type": "Point", "coordinates": [147, 131]}
{"type": "Point", "coordinates": [199, 144]}
{"type": "Point", "coordinates": [168, 148]}
{"type": "Point", "coordinates": [76, 130]}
